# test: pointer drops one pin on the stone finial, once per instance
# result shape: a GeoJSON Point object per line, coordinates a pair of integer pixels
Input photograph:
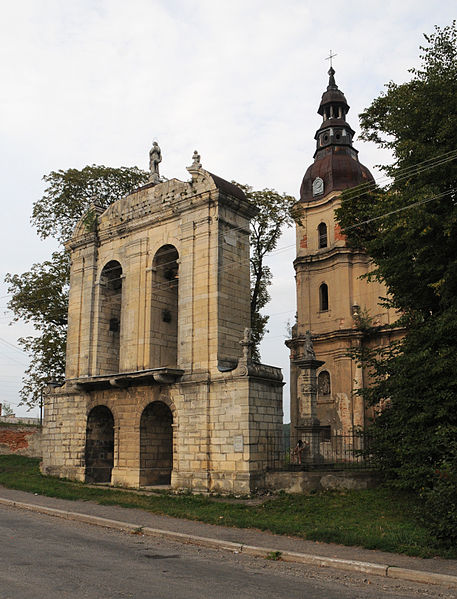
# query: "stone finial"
{"type": "Point", "coordinates": [308, 349]}
{"type": "Point", "coordinates": [331, 79]}
{"type": "Point", "coordinates": [96, 202]}
{"type": "Point", "coordinates": [331, 73]}
{"type": "Point", "coordinates": [196, 160]}
{"type": "Point", "coordinates": [155, 158]}
{"type": "Point", "coordinates": [247, 343]}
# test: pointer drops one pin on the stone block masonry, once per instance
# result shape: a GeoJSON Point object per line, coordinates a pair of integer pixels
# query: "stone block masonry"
{"type": "Point", "coordinates": [160, 387]}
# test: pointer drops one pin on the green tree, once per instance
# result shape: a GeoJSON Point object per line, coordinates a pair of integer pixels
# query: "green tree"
{"type": "Point", "coordinates": [410, 231]}
{"type": "Point", "coordinates": [69, 194]}
{"type": "Point", "coordinates": [40, 296]}
{"type": "Point", "coordinates": [275, 211]}
{"type": "Point", "coordinates": [6, 410]}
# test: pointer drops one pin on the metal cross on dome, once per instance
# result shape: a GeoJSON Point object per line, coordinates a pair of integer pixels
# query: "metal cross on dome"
{"type": "Point", "coordinates": [330, 58]}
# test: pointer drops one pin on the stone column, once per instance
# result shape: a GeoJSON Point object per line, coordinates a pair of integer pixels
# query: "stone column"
{"type": "Point", "coordinates": [358, 404]}
{"type": "Point", "coordinates": [308, 424]}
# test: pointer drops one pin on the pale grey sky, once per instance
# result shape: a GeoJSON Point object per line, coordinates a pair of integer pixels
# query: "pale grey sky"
{"type": "Point", "coordinates": [95, 81]}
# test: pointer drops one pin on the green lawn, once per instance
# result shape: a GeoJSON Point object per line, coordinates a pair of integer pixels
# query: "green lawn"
{"type": "Point", "coordinates": [376, 518]}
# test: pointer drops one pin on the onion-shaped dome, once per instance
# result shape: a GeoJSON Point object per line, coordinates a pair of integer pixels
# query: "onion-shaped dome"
{"type": "Point", "coordinates": [336, 165]}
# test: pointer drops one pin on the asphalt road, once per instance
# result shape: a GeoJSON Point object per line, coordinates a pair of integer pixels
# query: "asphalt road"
{"type": "Point", "coordinates": [45, 558]}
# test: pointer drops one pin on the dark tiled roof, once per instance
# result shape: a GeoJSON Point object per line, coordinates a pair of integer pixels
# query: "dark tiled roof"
{"type": "Point", "coordinates": [228, 188]}
{"type": "Point", "coordinates": [338, 169]}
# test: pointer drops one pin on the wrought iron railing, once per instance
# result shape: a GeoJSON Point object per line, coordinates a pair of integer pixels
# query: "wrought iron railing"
{"type": "Point", "coordinates": [321, 450]}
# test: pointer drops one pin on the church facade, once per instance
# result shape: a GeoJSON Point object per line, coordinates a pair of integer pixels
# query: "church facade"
{"type": "Point", "coordinates": [160, 387]}
{"type": "Point", "coordinates": [334, 301]}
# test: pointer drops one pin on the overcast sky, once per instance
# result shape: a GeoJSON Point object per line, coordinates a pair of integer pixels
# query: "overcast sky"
{"type": "Point", "coordinates": [95, 81]}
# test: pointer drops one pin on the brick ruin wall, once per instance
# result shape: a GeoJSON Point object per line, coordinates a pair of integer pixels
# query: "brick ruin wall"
{"type": "Point", "coordinates": [20, 440]}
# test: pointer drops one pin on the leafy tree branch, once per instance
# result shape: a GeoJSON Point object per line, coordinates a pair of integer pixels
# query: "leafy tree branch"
{"type": "Point", "coordinates": [275, 211]}
{"type": "Point", "coordinates": [40, 295]}
{"type": "Point", "coordinates": [410, 231]}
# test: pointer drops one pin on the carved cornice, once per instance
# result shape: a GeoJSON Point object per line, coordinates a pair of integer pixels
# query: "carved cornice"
{"type": "Point", "coordinates": [353, 335]}
{"type": "Point", "coordinates": [122, 380]}
{"type": "Point", "coordinates": [307, 363]}
{"type": "Point", "coordinates": [255, 370]}
{"type": "Point", "coordinates": [330, 254]}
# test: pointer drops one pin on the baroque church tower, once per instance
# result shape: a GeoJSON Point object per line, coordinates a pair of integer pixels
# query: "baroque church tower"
{"type": "Point", "coordinates": [332, 299]}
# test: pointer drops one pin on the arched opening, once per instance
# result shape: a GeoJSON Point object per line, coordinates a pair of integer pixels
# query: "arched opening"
{"type": "Point", "coordinates": [156, 444]}
{"type": "Point", "coordinates": [109, 335]}
{"type": "Point", "coordinates": [164, 308]}
{"type": "Point", "coordinates": [322, 235]}
{"type": "Point", "coordinates": [323, 385]}
{"type": "Point", "coordinates": [323, 297]}
{"type": "Point", "coordinates": [99, 445]}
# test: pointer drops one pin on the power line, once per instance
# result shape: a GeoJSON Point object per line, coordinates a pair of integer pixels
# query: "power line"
{"type": "Point", "coordinates": [5, 342]}
{"type": "Point", "coordinates": [8, 357]}
{"type": "Point", "coordinates": [412, 205]}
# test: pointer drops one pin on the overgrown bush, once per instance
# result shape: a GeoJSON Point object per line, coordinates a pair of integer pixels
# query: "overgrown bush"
{"type": "Point", "coordinates": [440, 502]}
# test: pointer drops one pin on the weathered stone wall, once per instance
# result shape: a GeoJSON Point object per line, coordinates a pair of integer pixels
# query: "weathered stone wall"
{"type": "Point", "coordinates": [336, 327]}
{"type": "Point", "coordinates": [209, 231]}
{"type": "Point", "coordinates": [305, 482]}
{"type": "Point", "coordinates": [64, 433]}
{"type": "Point", "coordinates": [20, 440]}
{"type": "Point", "coordinates": [221, 431]}
{"type": "Point", "coordinates": [178, 254]}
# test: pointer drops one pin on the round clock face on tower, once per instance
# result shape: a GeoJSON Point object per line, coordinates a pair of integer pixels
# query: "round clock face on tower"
{"type": "Point", "coordinates": [318, 186]}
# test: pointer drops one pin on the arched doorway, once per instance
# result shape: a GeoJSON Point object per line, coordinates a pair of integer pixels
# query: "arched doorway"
{"type": "Point", "coordinates": [156, 444]}
{"type": "Point", "coordinates": [99, 445]}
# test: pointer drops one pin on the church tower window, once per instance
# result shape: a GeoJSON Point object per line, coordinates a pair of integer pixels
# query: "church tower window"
{"type": "Point", "coordinates": [323, 297]}
{"type": "Point", "coordinates": [322, 235]}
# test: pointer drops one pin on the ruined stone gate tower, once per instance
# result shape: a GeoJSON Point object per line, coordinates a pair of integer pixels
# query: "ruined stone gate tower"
{"type": "Point", "coordinates": [159, 386]}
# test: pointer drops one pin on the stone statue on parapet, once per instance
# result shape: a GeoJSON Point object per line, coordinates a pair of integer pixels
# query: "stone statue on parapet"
{"type": "Point", "coordinates": [308, 349]}
{"type": "Point", "coordinates": [247, 343]}
{"type": "Point", "coordinates": [196, 160]}
{"type": "Point", "coordinates": [155, 158]}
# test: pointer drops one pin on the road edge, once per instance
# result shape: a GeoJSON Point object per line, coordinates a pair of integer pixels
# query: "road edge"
{"type": "Point", "coordinates": [265, 552]}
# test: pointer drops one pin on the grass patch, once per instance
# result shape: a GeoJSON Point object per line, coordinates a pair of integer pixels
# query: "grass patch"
{"type": "Point", "coordinates": [274, 555]}
{"type": "Point", "coordinates": [375, 518]}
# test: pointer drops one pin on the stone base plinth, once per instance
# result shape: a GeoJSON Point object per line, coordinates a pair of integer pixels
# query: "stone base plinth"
{"type": "Point", "coordinates": [306, 482]}
{"type": "Point", "coordinates": [70, 472]}
{"type": "Point", "coordinates": [125, 477]}
{"type": "Point", "coordinates": [218, 436]}
{"type": "Point", "coordinates": [237, 483]}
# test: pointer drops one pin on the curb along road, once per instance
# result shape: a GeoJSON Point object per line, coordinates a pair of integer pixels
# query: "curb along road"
{"type": "Point", "coordinates": [288, 556]}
